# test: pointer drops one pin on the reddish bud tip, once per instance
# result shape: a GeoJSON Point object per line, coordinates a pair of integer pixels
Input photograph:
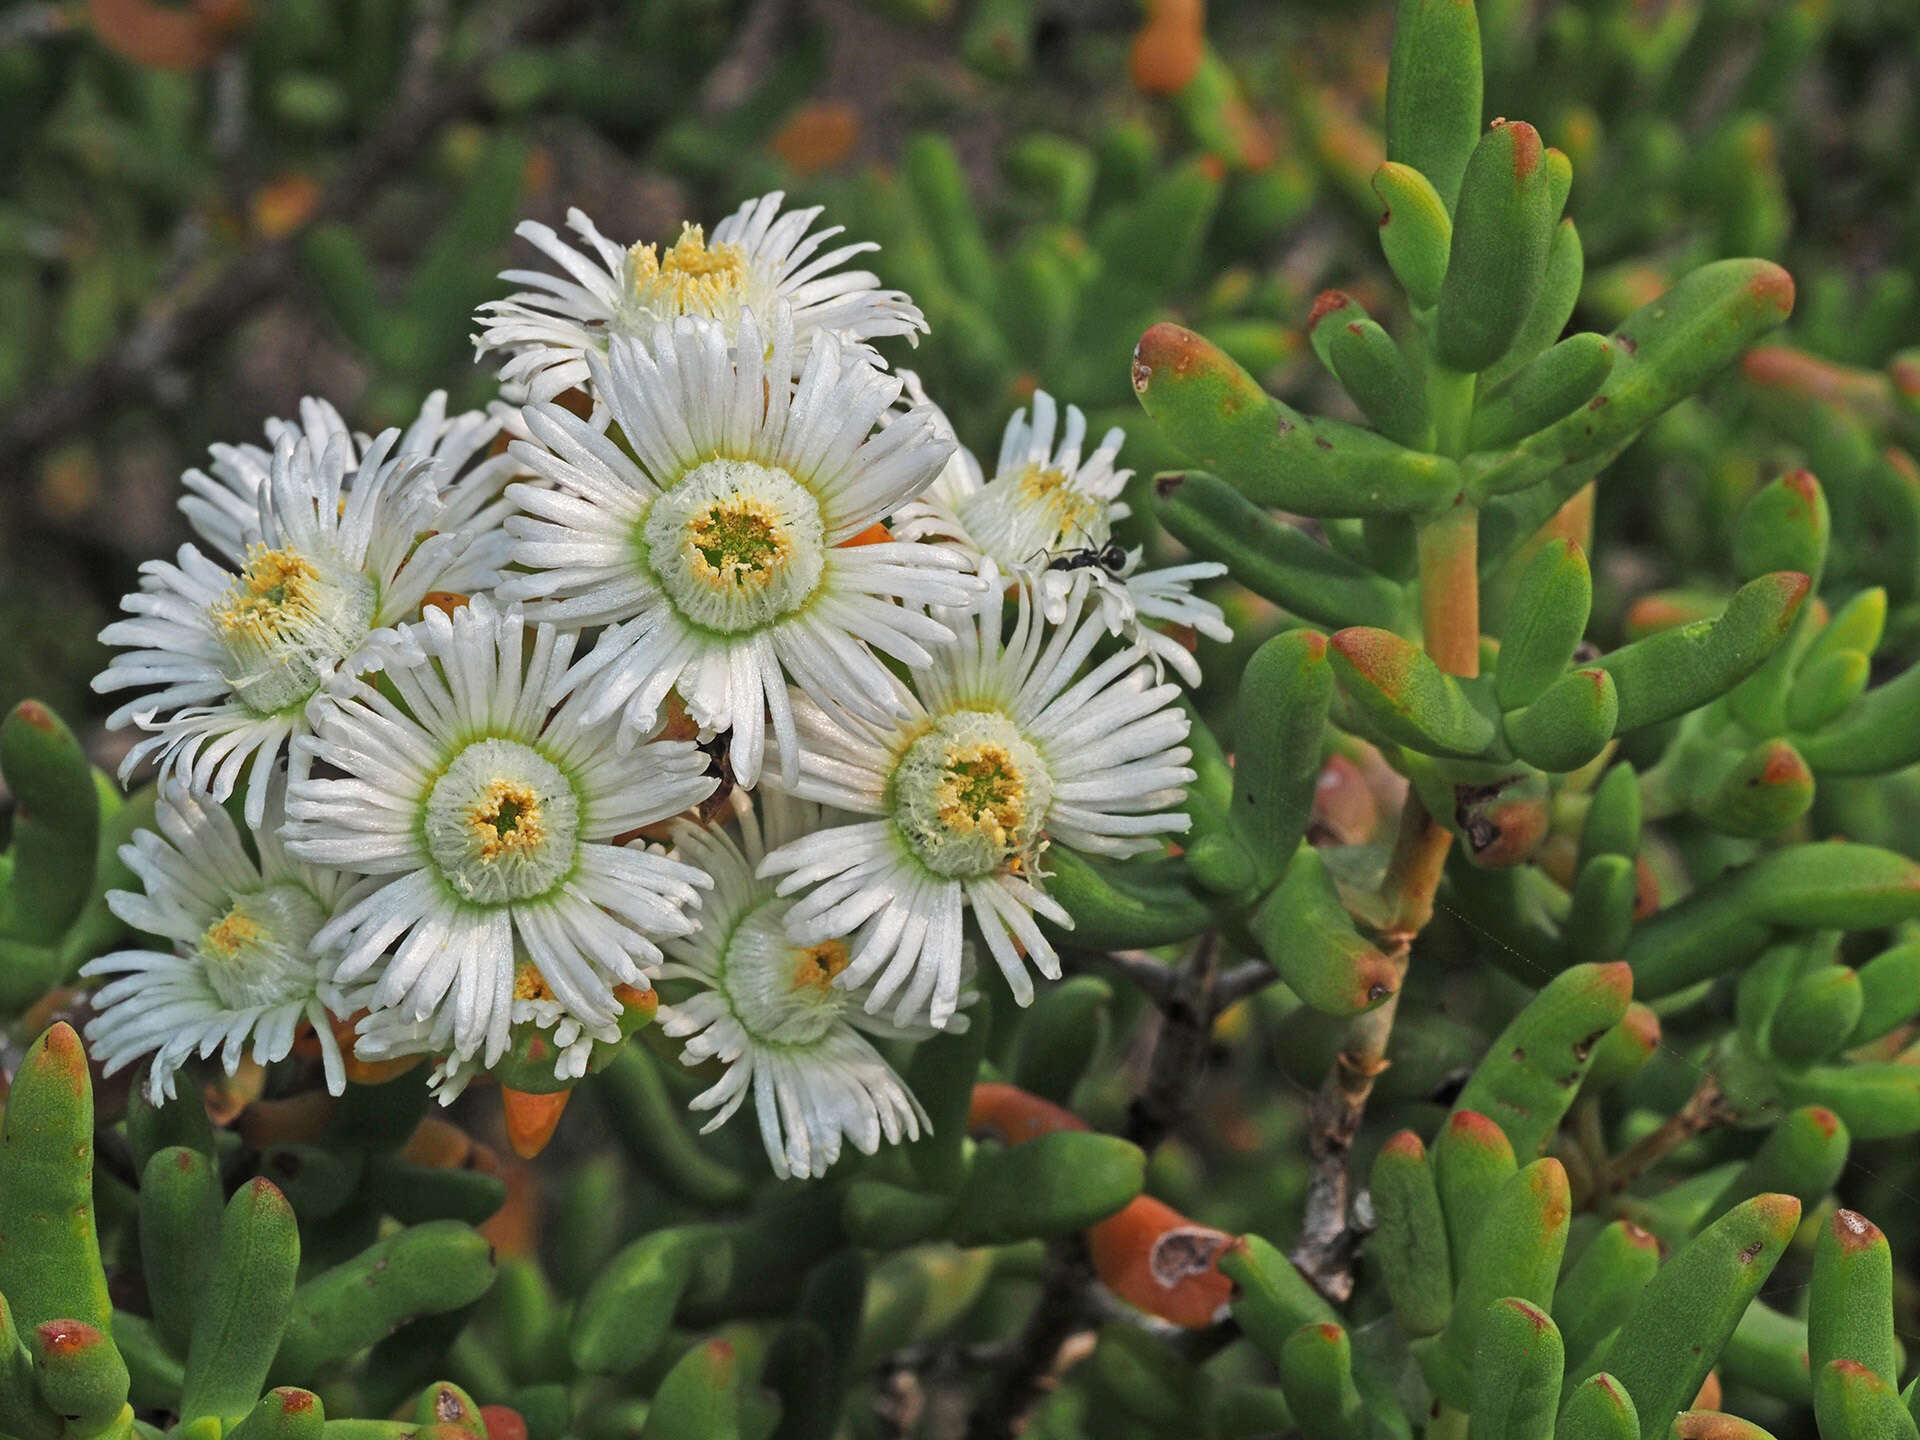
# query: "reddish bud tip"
{"type": "Point", "coordinates": [1165, 346]}
{"type": "Point", "coordinates": [1782, 1212]}
{"type": "Point", "coordinates": [503, 1422]}
{"type": "Point", "coordinates": [68, 1337]}
{"type": "Point", "coordinates": [1855, 1232]}
{"type": "Point", "coordinates": [59, 1052]}
{"type": "Point", "coordinates": [33, 713]}
{"type": "Point", "coordinates": [1642, 1025]}
{"type": "Point", "coordinates": [1325, 304]}
{"type": "Point", "coordinates": [1472, 1125]}
{"type": "Point", "coordinates": [1534, 1315]}
{"type": "Point", "coordinates": [1405, 1143]}
{"type": "Point", "coordinates": [1375, 978]}
{"type": "Point", "coordinates": [1783, 766]}
{"type": "Point", "coordinates": [1616, 976]}
{"type": "Point", "coordinates": [1803, 484]}
{"type": "Point", "coordinates": [1773, 285]}
{"type": "Point", "coordinates": [262, 1192]}
{"type": "Point", "coordinates": [1526, 149]}
{"type": "Point", "coordinates": [1380, 655]}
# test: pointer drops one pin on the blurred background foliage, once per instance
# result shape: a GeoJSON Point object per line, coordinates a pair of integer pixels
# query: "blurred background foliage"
{"type": "Point", "coordinates": [210, 208]}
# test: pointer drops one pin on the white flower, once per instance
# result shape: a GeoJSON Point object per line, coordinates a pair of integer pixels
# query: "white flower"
{"type": "Point", "coordinates": [344, 542]}
{"type": "Point", "coordinates": [489, 818]}
{"type": "Point", "coordinates": [769, 1011]}
{"type": "Point", "coordinates": [223, 503]}
{"type": "Point", "coordinates": [716, 550]}
{"type": "Point", "coordinates": [758, 258]}
{"type": "Point", "coordinates": [1046, 516]}
{"type": "Point", "coordinates": [1005, 753]}
{"type": "Point", "coordinates": [245, 966]}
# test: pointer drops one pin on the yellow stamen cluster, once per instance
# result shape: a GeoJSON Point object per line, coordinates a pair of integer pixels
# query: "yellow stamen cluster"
{"type": "Point", "coordinates": [982, 791]}
{"type": "Point", "coordinates": [276, 592]}
{"type": "Point", "coordinates": [1051, 491]}
{"type": "Point", "coordinates": [233, 934]}
{"type": "Point", "coordinates": [690, 278]}
{"type": "Point", "coordinates": [507, 820]}
{"type": "Point", "coordinates": [740, 542]}
{"type": "Point", "coordinates": [817, 965]}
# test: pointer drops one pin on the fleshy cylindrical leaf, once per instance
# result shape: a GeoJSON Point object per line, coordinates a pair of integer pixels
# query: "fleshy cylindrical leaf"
{"type": "Point", "coordinates": [1502, 227]}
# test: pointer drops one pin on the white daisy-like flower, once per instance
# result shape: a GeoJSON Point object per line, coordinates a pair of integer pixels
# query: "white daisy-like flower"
{"type": "Point", "coordinates": [757, 259]}
{"type": "Point", "coordinates": [716, 550]}
{"type": "Point", "coordinates": [223, 502]}
{"type": "Point", "coordinates": [245, 970]}
{"type": "Point", "coordinates": [488, 816]}
{"type": "Point", "coordinates": [229, 655]}
{"type": "Point", "coordinates": [1004, 753]}
{"type": "Point", "coordinates": [768, 1009]}
{"type": "Point", "coordinates": [1046, 516]}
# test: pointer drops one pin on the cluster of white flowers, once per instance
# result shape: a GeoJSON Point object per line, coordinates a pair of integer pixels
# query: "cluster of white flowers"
{"type": "Point", "coordinates": [493, 707]}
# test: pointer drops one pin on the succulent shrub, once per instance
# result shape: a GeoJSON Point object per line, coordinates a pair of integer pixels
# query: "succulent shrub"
{"type": "Point", "coordinates": [1386, 910]}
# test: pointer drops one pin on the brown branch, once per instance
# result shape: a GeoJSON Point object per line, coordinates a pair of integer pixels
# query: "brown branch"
{"type": "Point", "coordinates": [1705, 1109]}
{"type": "Point", "coordinates": [1328, 1237]}
{"type": "Point", "coordinates": [205, 305]}
{"type": "Point", "coordinates": [1068, 1305]}
{"type": "Point", "coordinates": [1247, 978]}
{"type": "Point", "coordinates": [1146, 972]}
{"type": "Point", "coordinates": [1450, 616]}
{"type": "Point", "coordinates": [1034, 1365]}
{"type": "Point", "coordinates": [1180, 1050]}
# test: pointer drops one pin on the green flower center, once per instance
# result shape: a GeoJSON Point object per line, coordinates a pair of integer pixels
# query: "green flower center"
{"type": "Point", "coordinates": [257, 952]}
{"type": "Point", "coordinates": [782, 994]}
{"type": "Point", "coordinates": [502, 823]}
{"type": "Point", "coordinates": [971, 795]}
{"type": "Point", "coordinates": [736, 545]}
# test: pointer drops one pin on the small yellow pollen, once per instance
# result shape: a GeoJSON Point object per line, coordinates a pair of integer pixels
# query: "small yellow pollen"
{"type": "Point", "coordinates": [1051, 491]}
{"type": "Point", "coordinates": [273, 594]}
{"type": "Point", "coordinates": [981, 790]}
{"type": "Point", "coordinates": [739, 542]}
{"type": "Point", "coordinates": [691, 278]}
{"type": "Point", "coordinates": [817, 965]}
{"type": "Point", "coordinates": [529, 983]}
{"type": "Point", "coordinates": [233, 934]}
{"type": "Point", "coordinates": [506, 820]}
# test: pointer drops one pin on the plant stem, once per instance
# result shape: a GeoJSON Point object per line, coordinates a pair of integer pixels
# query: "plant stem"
{"type": "Point", "coordinates": [1449, 552]}
{"type": "Point", "coordinates": [1057, 1316]}
{"type": "Point", "coordinates": [1450, 616]}
{"type": "Point", "coordinates": [1704, 1109]}
{"type": "Point", "coordinates": [1180, 1049]}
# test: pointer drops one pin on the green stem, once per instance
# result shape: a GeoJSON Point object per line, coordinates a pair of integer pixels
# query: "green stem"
{"type": "Point", "coordinates": [1450, 395]}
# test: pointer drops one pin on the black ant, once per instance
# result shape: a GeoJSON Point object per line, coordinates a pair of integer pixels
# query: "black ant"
{"type": "Point", "coordinates": [1110, 557]}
